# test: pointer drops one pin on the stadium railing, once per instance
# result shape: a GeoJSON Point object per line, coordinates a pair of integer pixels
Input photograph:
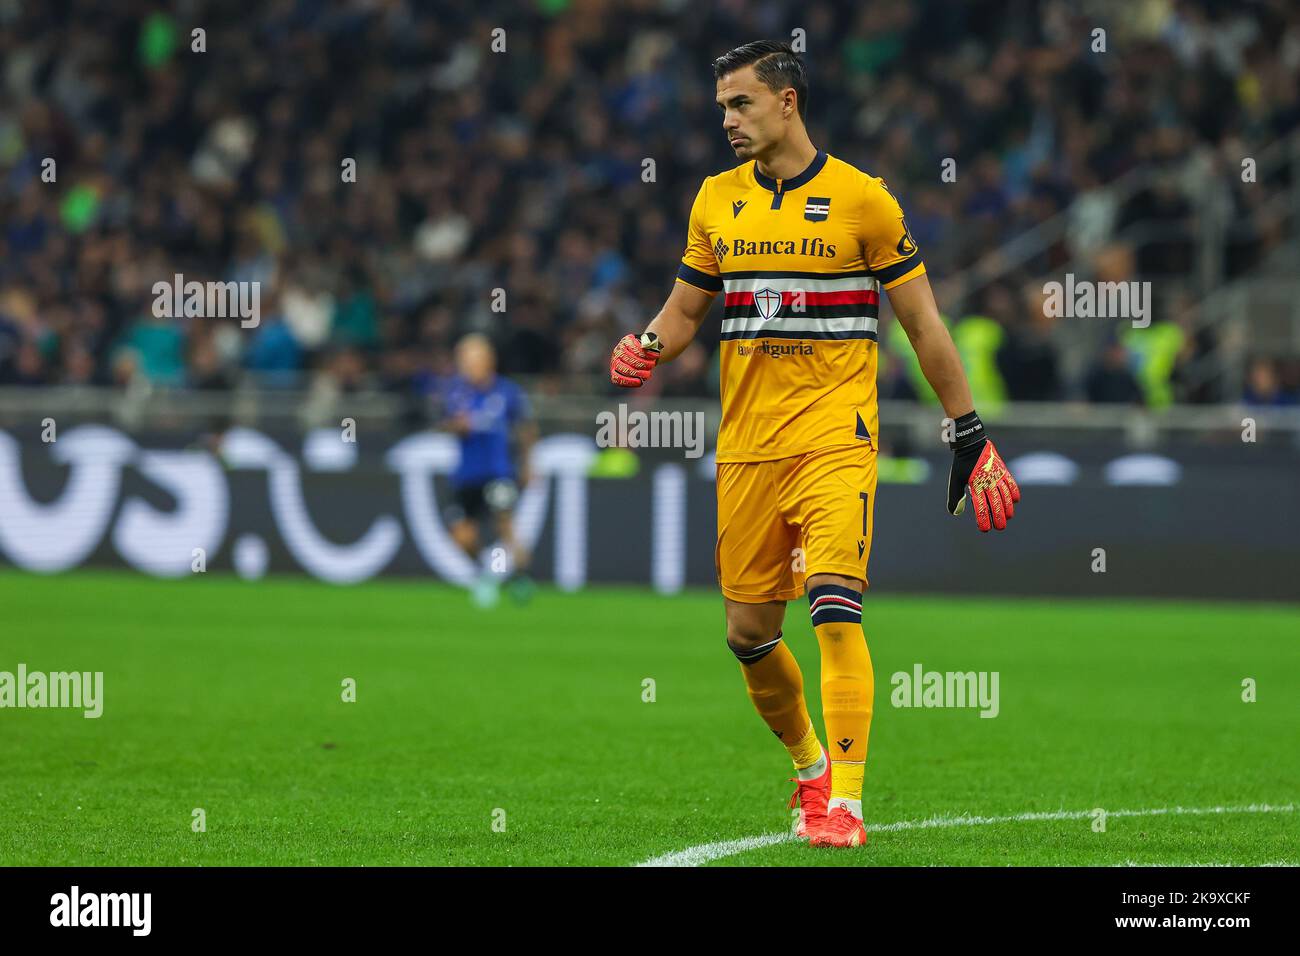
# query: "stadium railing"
{"type": "Point", "coordinates": [163, 410]}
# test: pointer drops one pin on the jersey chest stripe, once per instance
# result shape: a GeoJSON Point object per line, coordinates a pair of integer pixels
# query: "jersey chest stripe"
{"type": "Point", "coordinates": [847, 297]}
{"type": "Point", "coordinates": [802, 285]}
{"type": "Point", "coordinates": [850, 334]}
{"type": "Point", "coordinates": [834, 326]}
{"type": "Point", "coordinates": [818, 313]}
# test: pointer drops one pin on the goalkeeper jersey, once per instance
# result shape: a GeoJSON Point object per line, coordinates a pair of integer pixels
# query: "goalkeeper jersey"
{"type": "Point", "coordinates": [801, 263]}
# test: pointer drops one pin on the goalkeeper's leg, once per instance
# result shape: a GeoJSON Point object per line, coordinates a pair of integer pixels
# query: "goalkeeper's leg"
{"type": "Point", "coordinates": [848, 687]}
{"type": "Point", "coordinates": [771, 673]}
{"type": "Point", "coordinates": [775, 686]}
{"type": "Point", "coordinates": [832, 493]}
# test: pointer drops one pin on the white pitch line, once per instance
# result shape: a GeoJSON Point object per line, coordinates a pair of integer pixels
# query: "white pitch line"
{"type": "Point", "coordinates": [706, 852]}
{"type": "Point", "coordinates": [1202, 866]}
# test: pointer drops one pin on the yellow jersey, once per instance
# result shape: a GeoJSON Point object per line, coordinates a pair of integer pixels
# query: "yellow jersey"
{"type": "Point", "coordinates": [801, 262]}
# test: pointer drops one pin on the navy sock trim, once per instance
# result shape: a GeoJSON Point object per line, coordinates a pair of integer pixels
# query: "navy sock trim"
{"type": "Point", "coordinates": [752, 655]}
{"type": "Point", "coordinates": [831, 603]}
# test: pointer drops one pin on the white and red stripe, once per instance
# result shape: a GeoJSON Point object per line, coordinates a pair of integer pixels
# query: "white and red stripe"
{"type": "Point", "coordinates": [857, 290]}
{"type": "Point", "coordinates": [789, 297]}
{"type": "Point", "coordinates": [834, 600]}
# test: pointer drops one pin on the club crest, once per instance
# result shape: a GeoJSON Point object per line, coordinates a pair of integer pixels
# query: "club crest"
{"type": "Point", "coordinates": [768, 302]}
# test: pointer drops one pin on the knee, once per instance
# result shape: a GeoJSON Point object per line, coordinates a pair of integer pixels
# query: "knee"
{"type": "Point", "coordinates": [750, 651]}
{"type": "Point", "coordinates": [753, 628]}
{"type": "Point", "coordinates": [750, 647]}
{"type": "Point", "coordinates": [745, 636]}
{"type": "Point", "coordinates": [465, 534]}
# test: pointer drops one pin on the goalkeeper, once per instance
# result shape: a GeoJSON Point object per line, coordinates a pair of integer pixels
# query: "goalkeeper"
{"type": "Point", "coordinates": [800, 244]}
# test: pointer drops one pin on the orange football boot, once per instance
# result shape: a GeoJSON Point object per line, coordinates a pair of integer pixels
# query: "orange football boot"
{"type": "Point", "coordinates": [842, 828]}
{"type": "Point", "coordinates": [811, 797]}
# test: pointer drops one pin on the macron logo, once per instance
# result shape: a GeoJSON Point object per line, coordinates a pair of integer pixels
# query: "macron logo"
{"type": "Point", "coordinates": [102, 909]}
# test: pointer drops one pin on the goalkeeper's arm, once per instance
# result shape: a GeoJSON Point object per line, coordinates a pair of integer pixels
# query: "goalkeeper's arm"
{"type": "Point", "coordinates": [976, 463]}
{"type": "Point", "coordinates": [673, 328]}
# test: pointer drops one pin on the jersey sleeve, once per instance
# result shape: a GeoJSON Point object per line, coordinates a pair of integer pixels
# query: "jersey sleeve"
{"type": "Point", "coordinates": [887, 244]}
{"type": "Point", "coordinates": [699, 266]}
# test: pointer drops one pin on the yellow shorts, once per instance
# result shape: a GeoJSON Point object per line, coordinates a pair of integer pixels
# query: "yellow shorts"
{"type": "Point", "coordinates": [782, 521]}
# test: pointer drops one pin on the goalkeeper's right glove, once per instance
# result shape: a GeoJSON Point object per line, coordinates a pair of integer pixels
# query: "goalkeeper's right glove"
{"type": "Point", "coordinates": [634, 359]}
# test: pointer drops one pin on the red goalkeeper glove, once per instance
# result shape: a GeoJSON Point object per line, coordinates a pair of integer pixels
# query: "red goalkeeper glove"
{"type": "Point", "coordinates": [634, 359]}
{"type": "Point", "coordinates": [977, 465]}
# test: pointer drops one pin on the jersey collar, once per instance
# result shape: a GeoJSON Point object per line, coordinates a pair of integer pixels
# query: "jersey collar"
{"type": "Point", "coordinates": [794, 182]}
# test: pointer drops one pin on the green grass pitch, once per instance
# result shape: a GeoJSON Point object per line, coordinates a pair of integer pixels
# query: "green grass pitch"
{"type": "Point", "coordinates": [226, 695]}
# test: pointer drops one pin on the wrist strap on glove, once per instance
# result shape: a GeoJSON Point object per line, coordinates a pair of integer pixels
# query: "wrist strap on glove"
{"type": "Point", "coordinates": [968, 430]}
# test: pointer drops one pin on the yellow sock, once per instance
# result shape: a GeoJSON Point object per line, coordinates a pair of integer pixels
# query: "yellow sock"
{"type": "Point", "coordinates": [848, 687]}
{"type": "Point", "coordinates": [775, 686]}
{"type": "Point", "coordinates": [807, 752]}
{"type": "Point", "coordinates": [846, 781]}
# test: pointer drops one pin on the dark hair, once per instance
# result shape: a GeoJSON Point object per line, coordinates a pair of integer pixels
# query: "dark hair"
{"type": "Point", "coordinates": [775, 65]}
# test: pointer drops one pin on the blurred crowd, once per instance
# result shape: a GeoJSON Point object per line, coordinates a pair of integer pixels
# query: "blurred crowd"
{"type": "Point", "coordinates": [501, 183]}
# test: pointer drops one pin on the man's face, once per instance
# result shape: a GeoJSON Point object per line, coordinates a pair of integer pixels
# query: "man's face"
{"type": "Point", "coordinates": [752, 115]}
{"type": "Point", "coordinates": [475, 360]}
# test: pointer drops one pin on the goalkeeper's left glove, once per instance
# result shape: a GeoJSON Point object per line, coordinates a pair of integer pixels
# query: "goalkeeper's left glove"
{"type": "Point", "coordinates": [976, 464]}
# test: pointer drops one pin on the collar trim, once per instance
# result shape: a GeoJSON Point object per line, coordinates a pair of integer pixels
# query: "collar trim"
{"type": "Point", "coordinates": [795, 182]}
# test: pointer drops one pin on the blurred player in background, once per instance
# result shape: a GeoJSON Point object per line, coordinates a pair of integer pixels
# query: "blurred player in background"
{"type": "Point", "coordinates": [487, 412]}
{"type": "Point", "coordinates": [801, 243]}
